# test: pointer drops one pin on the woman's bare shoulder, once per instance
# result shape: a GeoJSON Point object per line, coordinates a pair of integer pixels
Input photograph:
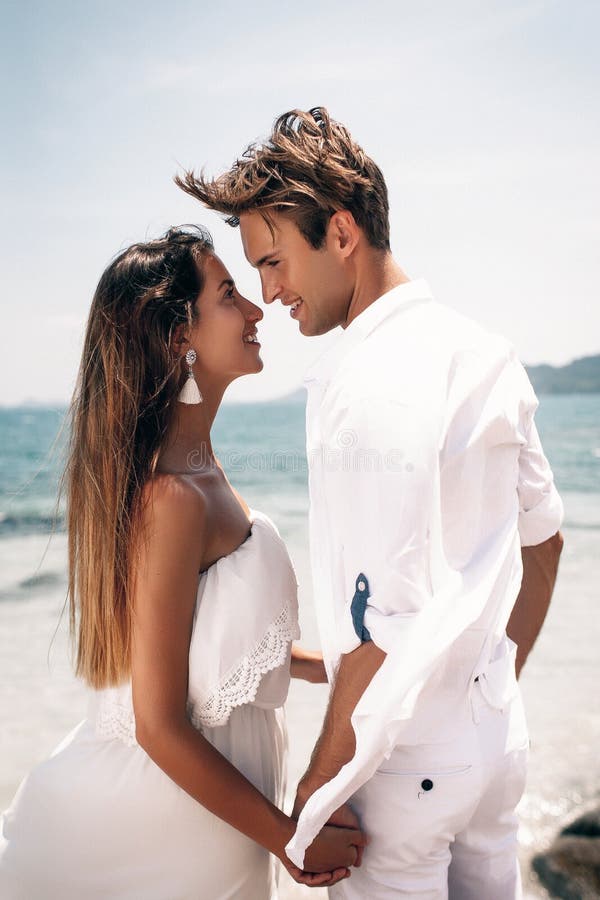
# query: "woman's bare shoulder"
{"type": "Point", "coordinates": [170, 498]}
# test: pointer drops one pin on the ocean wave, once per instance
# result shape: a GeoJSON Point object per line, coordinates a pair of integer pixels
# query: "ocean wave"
{"type": "Point", "coordinates": [32, 585]}
{"type": "Point", "coordinates": [27, 523]}
{"type": "Point", "coordinates": [581, 526]}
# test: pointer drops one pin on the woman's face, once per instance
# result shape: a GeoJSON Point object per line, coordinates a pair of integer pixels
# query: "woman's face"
{"type": "Point", "coordinates": [224, 334]}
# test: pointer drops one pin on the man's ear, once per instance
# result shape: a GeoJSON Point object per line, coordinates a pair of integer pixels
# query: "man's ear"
{"type": "Point", "coordinates": [343, 232]}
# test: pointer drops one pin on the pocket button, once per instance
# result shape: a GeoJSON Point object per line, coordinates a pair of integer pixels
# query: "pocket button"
{"type": "Point", "coordinates": [427, 784]}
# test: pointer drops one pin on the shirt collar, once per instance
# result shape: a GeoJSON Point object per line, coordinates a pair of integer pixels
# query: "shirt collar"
{"type": "Point", "coordinates": [368, 320]}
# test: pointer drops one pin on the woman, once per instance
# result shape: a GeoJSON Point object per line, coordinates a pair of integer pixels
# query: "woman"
{"type": "Point", "coordinates": [183, 601]}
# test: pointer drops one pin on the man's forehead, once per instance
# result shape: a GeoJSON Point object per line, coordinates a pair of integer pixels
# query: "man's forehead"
{"type": "Point", "coordinates": [260, 223]}
{"type": "Point", "coordinates": [259, 237]}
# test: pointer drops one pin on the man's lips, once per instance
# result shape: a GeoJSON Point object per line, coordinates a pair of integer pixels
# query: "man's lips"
{"type": "Point", "coordinates": [294, 308]}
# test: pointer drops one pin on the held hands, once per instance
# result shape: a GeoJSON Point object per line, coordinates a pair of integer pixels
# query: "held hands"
{"type": "Point", "coordinates": [341, 835]}
{"type": "Point", "coordinates": [345, 817]}
{"type": "Point", "coordinates": [334, 846]}
{"type": "Point", "coordinates": [328, 858]}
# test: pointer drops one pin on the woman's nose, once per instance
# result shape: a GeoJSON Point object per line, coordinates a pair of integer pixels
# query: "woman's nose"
{"type": "Point", "coordinates": [252, 312]}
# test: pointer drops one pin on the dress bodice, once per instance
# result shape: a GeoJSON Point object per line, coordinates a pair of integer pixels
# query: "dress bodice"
{"type": "Point", "coordinates": [245, 618]}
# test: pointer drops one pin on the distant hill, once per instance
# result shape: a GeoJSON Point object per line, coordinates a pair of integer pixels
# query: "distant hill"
{"type": "Point", "coordinates": [582, 376]}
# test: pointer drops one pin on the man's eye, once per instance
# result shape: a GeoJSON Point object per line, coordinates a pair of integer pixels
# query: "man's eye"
{"type": "Point", "coordinates": [273, 263]}
{"type": "Point", "coordinates": [230, 293]}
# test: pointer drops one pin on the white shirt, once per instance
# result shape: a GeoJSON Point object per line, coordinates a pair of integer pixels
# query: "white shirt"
{"type": "Point", "coordinates": [426, 477]}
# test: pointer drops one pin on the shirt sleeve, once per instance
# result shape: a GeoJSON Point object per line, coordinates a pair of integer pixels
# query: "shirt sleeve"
{"type": "Point", "coordinates": [382, 497]}
{"type": "Point", "coordinates": [540, 506]}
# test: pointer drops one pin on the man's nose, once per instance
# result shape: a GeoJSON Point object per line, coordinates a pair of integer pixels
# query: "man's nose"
{"type": "Point", "coordinates": [271, 287]}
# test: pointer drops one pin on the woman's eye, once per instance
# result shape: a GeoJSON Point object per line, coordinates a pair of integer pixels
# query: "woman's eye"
{"type": "Point", "coordinates": [230, 294]}
{"type": "Point", "coordinates": [273, 262]}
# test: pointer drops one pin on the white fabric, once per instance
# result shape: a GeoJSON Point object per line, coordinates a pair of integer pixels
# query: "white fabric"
{"type": "Point", "coordinates": [459, 838]}
{"type": "Point", "coordinates": [424, 463]}
{"type": "Point", "coordinates": [99, 819]}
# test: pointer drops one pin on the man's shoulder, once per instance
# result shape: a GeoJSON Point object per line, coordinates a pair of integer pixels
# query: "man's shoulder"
{"type": "Point", "coordinates": [430, 340]}
{"type": "Point", "coordinates": [443, 325]}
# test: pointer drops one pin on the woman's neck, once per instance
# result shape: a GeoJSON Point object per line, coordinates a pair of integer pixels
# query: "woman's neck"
{"type": "Point", "coordinates": [188, 446]}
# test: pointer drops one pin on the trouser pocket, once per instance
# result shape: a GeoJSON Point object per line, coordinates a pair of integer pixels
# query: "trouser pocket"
{"type": "Point", "coordinates": [413, 814]}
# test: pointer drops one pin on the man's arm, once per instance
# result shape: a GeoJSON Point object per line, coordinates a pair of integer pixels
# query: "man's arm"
{"type": "Point", "coordinates": [336, 744]}
{"type": "Point", "coordinates": [540, 565]}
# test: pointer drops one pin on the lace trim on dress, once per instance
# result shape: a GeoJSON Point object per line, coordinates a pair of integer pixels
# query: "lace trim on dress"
{"type": "Point", "coordinates": [241, 685]}
{"type": "Point", "coordinates": [115, 720]}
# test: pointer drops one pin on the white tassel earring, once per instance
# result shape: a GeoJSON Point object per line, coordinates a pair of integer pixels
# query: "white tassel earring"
{"type": "Point", "coordinates": [190, 393]}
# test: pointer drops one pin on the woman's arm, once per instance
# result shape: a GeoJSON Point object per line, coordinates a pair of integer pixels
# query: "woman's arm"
{"type": "Point", "coordinates": [166, 583]}
{"type": "Point", "coordinates": [308, 664]}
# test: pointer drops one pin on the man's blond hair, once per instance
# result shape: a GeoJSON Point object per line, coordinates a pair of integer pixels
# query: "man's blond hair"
{"type": "Point", "coordinates": [309, 168]}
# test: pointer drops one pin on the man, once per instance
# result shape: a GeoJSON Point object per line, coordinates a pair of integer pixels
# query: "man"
{"type": "Point", "coordinates": [434, 527]}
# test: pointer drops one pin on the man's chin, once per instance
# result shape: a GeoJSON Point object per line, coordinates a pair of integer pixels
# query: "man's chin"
{"type": "Point", "coordinates": [308, 331]}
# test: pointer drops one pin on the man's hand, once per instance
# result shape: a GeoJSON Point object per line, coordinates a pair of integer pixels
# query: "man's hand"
{"type": "Point", "coordinates": [333, 841]}
{"type": "Point", "coordinates": [344, 817]}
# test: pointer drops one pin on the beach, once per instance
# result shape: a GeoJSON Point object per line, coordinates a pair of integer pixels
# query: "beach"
{"type": "Point", "coordinates": [40, 701]}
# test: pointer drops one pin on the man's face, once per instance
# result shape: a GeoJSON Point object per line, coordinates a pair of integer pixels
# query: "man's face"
{"type": "Point", "coordinates": [316, 284]}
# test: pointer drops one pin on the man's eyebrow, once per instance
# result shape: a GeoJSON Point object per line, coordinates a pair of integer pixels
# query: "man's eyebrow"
{"type": "Point", "coordinates": [265, 258]}
{"type": "Point", "coordinates": [228, 281]}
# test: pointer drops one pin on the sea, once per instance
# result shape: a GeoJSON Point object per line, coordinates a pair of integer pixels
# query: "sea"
{"type": "Point", "coordinates": [261, 446]}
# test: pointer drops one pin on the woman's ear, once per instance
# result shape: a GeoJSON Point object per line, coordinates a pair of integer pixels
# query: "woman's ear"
{"type": "Point", "coordinates": [179, 341]}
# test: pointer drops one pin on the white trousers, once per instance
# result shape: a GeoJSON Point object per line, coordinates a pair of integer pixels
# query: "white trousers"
{"type": "Point", "coordinates": [441, 817]}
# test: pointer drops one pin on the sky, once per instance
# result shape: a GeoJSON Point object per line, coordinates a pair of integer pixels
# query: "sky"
{"type": "Point", "coordinates": [482, 115]}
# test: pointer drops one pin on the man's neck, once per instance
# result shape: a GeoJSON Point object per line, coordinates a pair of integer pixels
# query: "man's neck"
{"type": "Point", "coordinates": [376, 276]}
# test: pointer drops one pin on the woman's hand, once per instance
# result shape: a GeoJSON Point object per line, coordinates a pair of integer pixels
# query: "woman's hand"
{"type": "Point", "coordinates": [329, 857]}
{"type": "Point", "coordinates": [334, 848]}
{"type": "Point", "coordinates": [308, 664]}
{"type": "Point", "coordinates": [324, 879]}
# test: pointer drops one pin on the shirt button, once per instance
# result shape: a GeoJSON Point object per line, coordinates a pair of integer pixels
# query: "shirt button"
{"type": "Point", "coordinates": [361, 585]}
{"type": "Point", "coordinates": [427, 784]}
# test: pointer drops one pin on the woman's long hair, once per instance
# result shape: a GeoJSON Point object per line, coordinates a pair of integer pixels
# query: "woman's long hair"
{"type": "Point", "coordinates": [122, 406]}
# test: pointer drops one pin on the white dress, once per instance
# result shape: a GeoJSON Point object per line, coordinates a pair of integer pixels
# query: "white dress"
{"type": "Point", "coordinates": [99, 819]}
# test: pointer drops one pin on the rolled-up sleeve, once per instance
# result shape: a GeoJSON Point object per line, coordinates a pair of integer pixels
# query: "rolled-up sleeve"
{"type": "Point", "coordinates": [540, 506]}
{"type": "Point", "coordinates": [380, 503]}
